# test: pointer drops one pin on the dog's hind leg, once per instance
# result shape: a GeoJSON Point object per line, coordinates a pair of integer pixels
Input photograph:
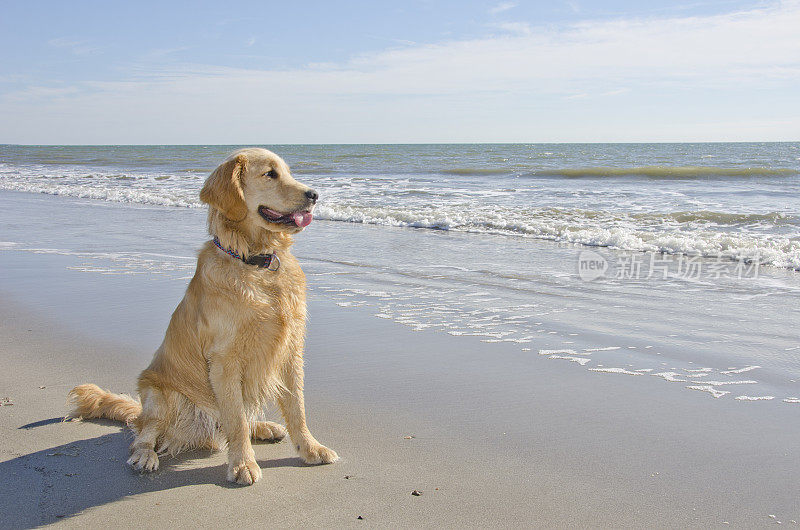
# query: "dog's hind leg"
{"type": "Point", "coordinates": [148, 426]}
{"type": "Point", "coordinates": [267, 431]}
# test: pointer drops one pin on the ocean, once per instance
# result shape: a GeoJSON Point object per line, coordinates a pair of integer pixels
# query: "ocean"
{"type": "Point", "coordinates": [678, 261]}
{"type": "Point", "coordinates": [736, 200]}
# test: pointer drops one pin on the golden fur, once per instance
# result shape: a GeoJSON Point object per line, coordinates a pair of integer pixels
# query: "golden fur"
{"type": "Point", "coordinates": [235, 342]}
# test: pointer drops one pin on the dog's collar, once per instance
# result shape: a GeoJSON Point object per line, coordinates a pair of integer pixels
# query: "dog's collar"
{"type": "Point", "coordinates": [271, 262]}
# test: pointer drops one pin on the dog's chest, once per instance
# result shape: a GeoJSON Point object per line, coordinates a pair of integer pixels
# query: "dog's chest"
{"type": "Point", "coordinates": [273, 332]}
{"type": "Point", "coordinates": [278, 296]}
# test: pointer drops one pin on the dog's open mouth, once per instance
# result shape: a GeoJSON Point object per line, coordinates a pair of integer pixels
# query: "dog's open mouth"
{"type": "Point", "coordinates": [300, 218]}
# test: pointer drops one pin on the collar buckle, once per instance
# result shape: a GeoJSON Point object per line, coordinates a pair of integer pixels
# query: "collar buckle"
{"type": "Point", "coordinates": [271, 262]}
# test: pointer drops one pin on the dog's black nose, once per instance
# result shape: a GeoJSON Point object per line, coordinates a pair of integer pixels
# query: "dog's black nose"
{"type": "Point", "coordinates": [313, 195]}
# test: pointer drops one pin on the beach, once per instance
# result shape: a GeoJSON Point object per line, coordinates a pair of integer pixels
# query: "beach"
{"type": "Point", "coordinates": [528, 442]}
{"type": "Point", "coordinates": [513, 377]}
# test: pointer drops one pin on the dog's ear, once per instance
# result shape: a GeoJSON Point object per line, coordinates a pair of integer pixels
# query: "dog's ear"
{"type": "Point", "coordinates": [223, 189]}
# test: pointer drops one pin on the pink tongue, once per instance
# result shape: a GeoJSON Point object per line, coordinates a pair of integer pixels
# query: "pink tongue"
{"type": "Point", "coordinates": [302, 219]}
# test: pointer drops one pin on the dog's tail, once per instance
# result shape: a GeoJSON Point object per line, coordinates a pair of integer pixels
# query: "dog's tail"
{"type": "Point", "coordinates": [91, 401]}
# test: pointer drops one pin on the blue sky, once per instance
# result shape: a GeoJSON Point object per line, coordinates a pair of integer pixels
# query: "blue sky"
{"type": "Point", "coordinates": [416, 71]}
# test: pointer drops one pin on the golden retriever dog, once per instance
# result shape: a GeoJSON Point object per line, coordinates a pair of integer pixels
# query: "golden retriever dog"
{"type": "Point", "coordinates": [235, 342]}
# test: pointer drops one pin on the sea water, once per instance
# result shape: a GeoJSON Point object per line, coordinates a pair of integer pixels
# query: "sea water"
{"type": "Point", "coordinates": [672, 262]}
{"type": "Point", "coordinates": [735, 200]}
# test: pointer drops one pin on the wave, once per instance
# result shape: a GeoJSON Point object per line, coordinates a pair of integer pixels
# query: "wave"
{"type": "Point", "coordinates": [723, 218]}
{"type": "Point", "coordinates": [470, 171]}
{"type": "Point", "coordinates": [703, 233]}
{"type": "Point", "coordinates": [652, 218]}
{"type": "Point", "coordinates": [159, 197]}
{"type": "Point", "coordinates": [653, 172]}
{"type": "Point", "coordinates": [664, 172]}
{"type": "Point", "coordinates": [329, 168]}
{"type": "Point", "coordinates": [589, 230]}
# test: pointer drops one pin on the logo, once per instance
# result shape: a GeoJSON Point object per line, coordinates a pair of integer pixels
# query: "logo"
{"type": "Point", "coordinates": [591, 265]}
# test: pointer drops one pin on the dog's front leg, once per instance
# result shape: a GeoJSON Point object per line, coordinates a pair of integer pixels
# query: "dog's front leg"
{"type": "Point", "coordinates": [293, 409]}
{"type": "Point", "coordinates": [226, 381]}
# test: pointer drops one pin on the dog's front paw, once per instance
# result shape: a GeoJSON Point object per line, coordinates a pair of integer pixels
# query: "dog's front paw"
{"type": "Point", "coordinates": [143, 459]}
{"type": "Point", "coordinates": [244, 472]}
{"type": "Point", "coordinates": [318, 454]}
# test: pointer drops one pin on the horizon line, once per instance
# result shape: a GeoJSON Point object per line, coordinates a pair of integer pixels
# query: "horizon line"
{"type": "Point", "coordinates": [402, 143]}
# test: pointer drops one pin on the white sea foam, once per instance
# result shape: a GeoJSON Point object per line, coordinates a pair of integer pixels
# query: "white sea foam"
{"type": "Point", "coordinates": [564, 351]}
{"type": "Point", "coordinates": [509, 339]}
{"type": "Point", "coordinates": [157, 197]}
{"type": "Point", "coordinates": [754, 398]}
{"type": "Point", "coordinates": [580, 360]}
{"type": "Point", "coordinates": [670, 376]}
{"type": "Point", "coordinates": [574, 227]}
{"type": "Point", "coordinates": [710, 389]}
{"type": "Point", "coordinates": [718, 383]}
{"type": "Point", "coordinates": [614, 371]}
{"type": "Point", "coordinates": [740, 370]}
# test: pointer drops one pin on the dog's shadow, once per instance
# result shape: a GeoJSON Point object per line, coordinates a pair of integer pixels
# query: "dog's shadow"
{"type": "Point", "coordinates": [56, 483]}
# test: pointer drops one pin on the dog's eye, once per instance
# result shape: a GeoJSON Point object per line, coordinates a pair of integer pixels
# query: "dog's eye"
{"type": "Point", "coordinates": [271, 174]}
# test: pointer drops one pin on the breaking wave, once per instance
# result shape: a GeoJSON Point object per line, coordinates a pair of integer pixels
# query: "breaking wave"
{"type": "Point", "coordinates": [587, 228]}
{"type": "Point", "coordinates": [671, 232]}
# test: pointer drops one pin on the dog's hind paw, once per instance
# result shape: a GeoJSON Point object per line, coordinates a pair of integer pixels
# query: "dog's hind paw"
{"type": "Point", "coordinates": [318, 454]}
{"type": "Point", "coordinates": [268, 431]}
{"type": "Point", "coordinates": [144, 459]}
{"type": "Point", "coordinates": [245, 473]}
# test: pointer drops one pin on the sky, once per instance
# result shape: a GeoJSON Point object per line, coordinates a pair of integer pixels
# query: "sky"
{"type": "Point", "coordinates": [417, 71]}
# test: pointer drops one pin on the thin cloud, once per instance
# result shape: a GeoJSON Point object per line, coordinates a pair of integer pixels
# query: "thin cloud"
{"type": "Point", "coordinates": [617, 92]}
{"type": "Point", "coordinates": [585, 95]}
{"type": "Point", "coordinates": [160, 53]}
{"type": "Point", "coordinates": [76, 47]}
{"type": "Point", "coordinates": [501, 7]}
{"type": "Point", "coordinates": [41, 92]}
{"type": "Point", "coordinates": [518, 28]}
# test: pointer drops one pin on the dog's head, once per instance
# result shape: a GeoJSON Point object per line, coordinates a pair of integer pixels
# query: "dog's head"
{"type": "Point", "coordinates": [255, 186]}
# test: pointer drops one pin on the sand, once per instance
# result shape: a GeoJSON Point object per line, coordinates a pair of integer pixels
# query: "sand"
{"type": "Point", "coordinates": [491, 434]}
{"type": "Point", "coordinates": [518, 442]}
